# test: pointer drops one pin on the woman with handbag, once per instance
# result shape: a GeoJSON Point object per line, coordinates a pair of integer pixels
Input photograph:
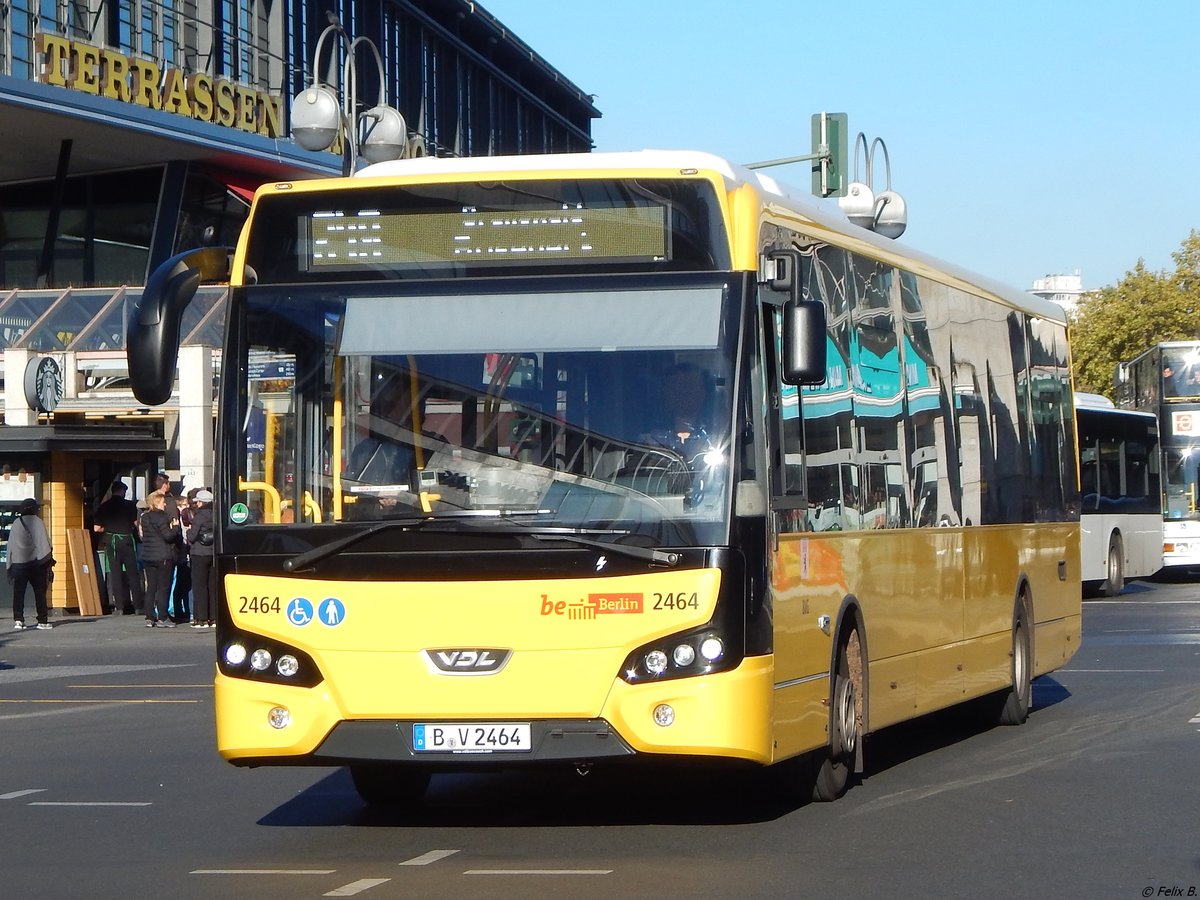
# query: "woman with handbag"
{"type": "Point", "coordinates": [30, 563]}
{"type": "Point", "coordinates": [160, 539]}
{"type": "Point", "coordinates": [200, 548]}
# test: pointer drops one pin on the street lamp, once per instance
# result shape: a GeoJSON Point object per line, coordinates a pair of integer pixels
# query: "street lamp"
{"type": "Point", "coordinates": [318, 117]}
{"type": "Point", "coordinates": [885, 213]}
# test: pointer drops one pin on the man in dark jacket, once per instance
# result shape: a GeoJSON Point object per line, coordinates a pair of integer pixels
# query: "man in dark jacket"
{"type": "Point", "coordinates": [116, 522]}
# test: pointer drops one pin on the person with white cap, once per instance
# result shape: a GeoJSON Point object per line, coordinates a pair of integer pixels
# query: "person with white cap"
{"type": "Point", "coordinates": [30, 563]}
{"type": "Point", "coordinates": [200, 549]}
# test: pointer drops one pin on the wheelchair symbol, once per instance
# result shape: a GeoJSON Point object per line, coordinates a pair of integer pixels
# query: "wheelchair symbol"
{"type": "Point", "coordinates": [300, 612]}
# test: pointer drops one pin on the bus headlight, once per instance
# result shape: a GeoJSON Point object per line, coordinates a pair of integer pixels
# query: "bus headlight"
{"type": "Point", "coordinates": [656, 662]}
{"type": "Point", "coordinates": [259, 658]}
{"type": "Point", "coordinates": [235, 654]}
{"type": "Point", "coordinates": [680, 656]}
{"type": "Point", "coordinates": [684, 654]}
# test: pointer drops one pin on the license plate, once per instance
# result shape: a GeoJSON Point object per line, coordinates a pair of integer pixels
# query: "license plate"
{"type": "Point", "coordinates": [472, 737]}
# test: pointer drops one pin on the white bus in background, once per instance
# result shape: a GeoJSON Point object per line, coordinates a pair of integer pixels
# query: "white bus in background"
{"type": "Point", "coordinates": [1120, 521]}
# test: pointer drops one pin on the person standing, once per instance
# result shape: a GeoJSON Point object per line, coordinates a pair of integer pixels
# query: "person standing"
{"type": "Point", "coordinates": [200, 547]}
{"type": "Point", "coordinates": [160, 538]}
{"type": "Point", "coordinates": [116, 521]}
{"type": "Point", "coordinates": [30, 563]}
{"type": "Point", "coordinates": [181, 587]}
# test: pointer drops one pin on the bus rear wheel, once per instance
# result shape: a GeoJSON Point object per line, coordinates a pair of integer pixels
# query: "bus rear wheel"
{"type": "Point", "coordinates": [1114, 583]}
{"type": "Point", "coordinates": [389, 786]}
{"type": "Point", "coordinates": [833, 765]}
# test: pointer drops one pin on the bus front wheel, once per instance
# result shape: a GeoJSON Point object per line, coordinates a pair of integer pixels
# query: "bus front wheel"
{"type": "Point", "coordinates": [389, 786]}
{"type": "Point", "coordinates": [833, 765]}
{"type": "Point", "coordinates": [1114, 583]}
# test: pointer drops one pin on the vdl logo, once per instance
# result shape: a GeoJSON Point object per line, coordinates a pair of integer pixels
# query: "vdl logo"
{"type": "Point", "coordinates": [467, 661]}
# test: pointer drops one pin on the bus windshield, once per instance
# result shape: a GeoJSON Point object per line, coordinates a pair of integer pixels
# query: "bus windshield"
{"type": "Point", "coordinates": [600, 409]}
{"type": "Point", "coordinates": [1180, 487]}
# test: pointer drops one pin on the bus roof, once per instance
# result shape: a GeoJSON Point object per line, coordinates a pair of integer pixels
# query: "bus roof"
{"type": "Point", "coordinates": [1092, 401]}
{"type": "Point", "coordinates": [1100, 403]}
{"type": "Point", "coordinates": [825, 213]}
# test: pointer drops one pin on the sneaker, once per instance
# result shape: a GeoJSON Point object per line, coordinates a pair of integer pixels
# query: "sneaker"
{"type": "Point", "coordinates": [149, 623]}
{"type": "Point", "coordinates": [18, 625]}
{"type": "Point", "coordinates": [44, 626]}
{"type": "Point", "coordinates": [197, 624]}
{"type": "Point", "coordinates": [164, 623]}
{"type": "Point", "coordinates": [211, 625]}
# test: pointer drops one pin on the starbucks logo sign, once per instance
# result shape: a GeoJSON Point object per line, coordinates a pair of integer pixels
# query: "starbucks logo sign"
{"type": "Point", "coordinates": [43, 384]}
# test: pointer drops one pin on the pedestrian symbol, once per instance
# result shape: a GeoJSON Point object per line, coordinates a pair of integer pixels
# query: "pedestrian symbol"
{"type": "Point", "coordinates": [300, 612]}
{"type": "Point", "coordinates": [332, 612]}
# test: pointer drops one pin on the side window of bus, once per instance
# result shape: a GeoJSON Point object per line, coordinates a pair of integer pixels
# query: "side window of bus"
{"type": "Point", "coordinates": [934, 470]}
{"type": "Point", "coordinates": [1053, 450]}
{"type": "Point", "coordinates": [878, 398]}
{"type": "Point", "coordinates": [833, 486]}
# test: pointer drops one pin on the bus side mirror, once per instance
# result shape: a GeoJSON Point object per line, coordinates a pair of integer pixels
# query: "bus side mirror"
{"type": "Point", "coordinates": [152, 325]}
{"type": "Point", "coordinates": [804, 343]}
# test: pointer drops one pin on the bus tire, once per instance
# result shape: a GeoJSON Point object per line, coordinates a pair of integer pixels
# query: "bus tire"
{"type": "Point", "coordinates": [389, 786]}
{"type": "Point", "coordinates": [1114, 583]}
{"type": "Point", "coordinates": [1015, 702]}
{"type": "Point", "coordinates": [833, 765]}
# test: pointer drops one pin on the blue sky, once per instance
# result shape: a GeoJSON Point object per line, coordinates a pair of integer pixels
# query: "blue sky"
{"type": "Point", "coordinates": [1028, 138]}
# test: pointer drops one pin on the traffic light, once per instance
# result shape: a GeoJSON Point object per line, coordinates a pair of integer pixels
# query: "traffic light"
{"type": "Point", "coordinates": [830, 154]}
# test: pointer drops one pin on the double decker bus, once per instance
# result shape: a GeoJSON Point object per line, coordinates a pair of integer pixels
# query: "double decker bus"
{"type": "Point", "coordinates": [1120, 520]}
{"type": "Point", "coordinates": [662, 462]}
{"type": "Point", "coordinates": [1165, 381]}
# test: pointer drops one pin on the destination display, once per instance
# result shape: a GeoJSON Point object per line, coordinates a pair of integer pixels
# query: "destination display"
{"type": "Point", "coordinates": [374, 238]}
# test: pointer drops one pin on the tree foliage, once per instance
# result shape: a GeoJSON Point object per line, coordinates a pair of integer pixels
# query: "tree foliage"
{"type": "Point", "coordinates": [1117, 323]}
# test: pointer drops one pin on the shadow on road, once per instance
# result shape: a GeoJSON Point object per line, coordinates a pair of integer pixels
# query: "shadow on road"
{"type": "Point", "coordinates": [654, 795]}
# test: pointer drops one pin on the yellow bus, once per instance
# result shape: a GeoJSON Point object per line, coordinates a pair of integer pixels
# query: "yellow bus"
{"type": "Point", "coordinates": [616, 458]}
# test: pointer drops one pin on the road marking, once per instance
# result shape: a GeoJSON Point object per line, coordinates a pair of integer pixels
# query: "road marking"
{"type": "Point", "coordinates": [86, 803]}
{"type": "Point", "coordinates": [13, 795]}
{"type": "Point", "coordinates": [538, 872]}
{"type": "Point", "coordinates": [46, 673]}
{"type": "Point", "coordinates": [94, 702]}
{"type": "Point", "coordinates": [356, 887]}
{"type": "Point", "coordinates": [262, 871]}
{"type": "Point", "coordinates": [56, 711]}
{"type": "Point", "coordinates": [105, 687]}
{"type": "Point", "coordinates": [426, 858]}
{"type": "Point", "coordinates": [1192, 721]}
{"type": "Point", "coordinates": [1148, 602]}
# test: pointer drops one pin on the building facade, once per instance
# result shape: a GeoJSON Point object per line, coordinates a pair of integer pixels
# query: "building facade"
{"type": "Point", "coordinates": [138, 129]}
{"type": "Point", "coordinates": [1065, 290]}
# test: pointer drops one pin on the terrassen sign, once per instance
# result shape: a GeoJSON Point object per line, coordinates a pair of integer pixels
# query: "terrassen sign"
{"type": "Point", "coordinates": [106, 73]}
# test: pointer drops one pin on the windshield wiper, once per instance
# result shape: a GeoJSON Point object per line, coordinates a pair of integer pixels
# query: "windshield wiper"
{"type": "Point", "coordinates": [567, 535]}
{"type": "Point", "coordinates": [478, 518]}
{"type": "Point", "coordinates": [652, 556]}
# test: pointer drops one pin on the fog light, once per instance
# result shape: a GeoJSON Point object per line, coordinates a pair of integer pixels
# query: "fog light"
{"type": "Point", "coordinates": [279, 717]}
{"type": "Point", "coordinates": [712, 649]}
{"type": "Point", "coordinates": [656, 662]}
{"type": "Point", "coordinates": [664, 715]}
{"type": "Point", "coordinates": [684, 655]}
{"type": "Point", "coordinates": [287, 666]}
{"type": "Point", "coordinates": [260, 660]}
{"type": "Point", "coordinates": [235, 654]}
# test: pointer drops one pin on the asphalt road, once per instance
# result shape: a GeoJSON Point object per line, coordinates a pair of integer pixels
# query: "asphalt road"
{"type": "Point", "coordinates": [111, 787]}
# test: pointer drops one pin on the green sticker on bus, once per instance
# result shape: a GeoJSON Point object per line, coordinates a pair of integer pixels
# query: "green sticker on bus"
{"type": "Point", "coordinates": [239, 513]}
